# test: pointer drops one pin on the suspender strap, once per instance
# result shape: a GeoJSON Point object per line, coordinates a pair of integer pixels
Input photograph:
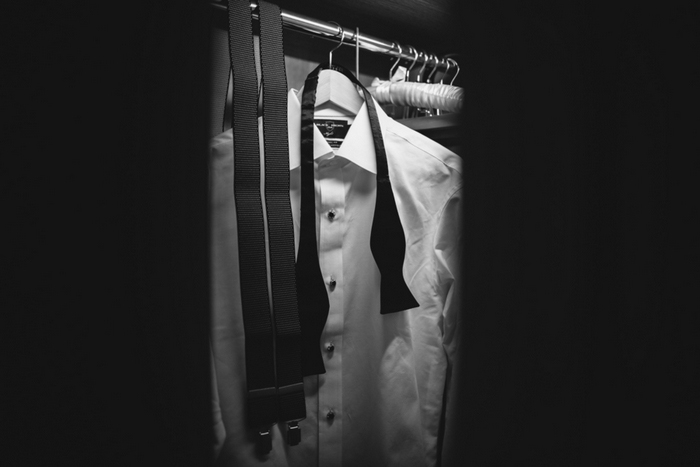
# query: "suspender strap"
{"type": "Point", "coordinates": [257, 321]}
{"type": "Point", "coordinates": [292, 406]}
{"type": "Point", "coordinates": [387, 240]}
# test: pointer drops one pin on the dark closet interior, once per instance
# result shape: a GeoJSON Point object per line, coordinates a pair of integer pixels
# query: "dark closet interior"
{"type": "Point", "coordinates": [579, 339]}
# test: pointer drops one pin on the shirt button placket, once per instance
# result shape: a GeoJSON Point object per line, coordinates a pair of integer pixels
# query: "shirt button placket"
{"type": "Point", "coordinates": [330, 394]}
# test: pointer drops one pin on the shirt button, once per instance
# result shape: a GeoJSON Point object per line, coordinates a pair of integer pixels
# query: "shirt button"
{"type": "Point", "coordinates": [330, 415]}
{"type": "Point", "coordinates": [331, 214]}
{"type": "Point", "coordinates": [330, 347]}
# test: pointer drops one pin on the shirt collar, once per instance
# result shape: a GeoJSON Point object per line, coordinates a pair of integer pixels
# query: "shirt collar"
{"type": "Point", "coordinates": [357, 147]}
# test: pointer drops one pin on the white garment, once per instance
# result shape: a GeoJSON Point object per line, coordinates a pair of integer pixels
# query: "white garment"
{"type": "Point", "coordinates": [426, 95]}
{"type": "Point", "coordinates": [386, 376]}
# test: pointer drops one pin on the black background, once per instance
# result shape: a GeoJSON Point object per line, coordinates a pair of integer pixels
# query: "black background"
{"type": "Point", "coordinates": [580, 318]}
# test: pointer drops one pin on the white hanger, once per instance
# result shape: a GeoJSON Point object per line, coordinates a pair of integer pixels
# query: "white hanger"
{"type": "Point", "coordinates": [335, 91]}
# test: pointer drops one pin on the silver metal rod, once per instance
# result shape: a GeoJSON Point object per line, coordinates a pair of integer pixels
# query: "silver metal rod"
{"type": "Point", "coordinates": [327, 30]}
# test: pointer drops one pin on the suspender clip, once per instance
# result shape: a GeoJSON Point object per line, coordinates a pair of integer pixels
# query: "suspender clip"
{"type": "Point", "coordinates": [293, 433]}
{"type": "Point", "coordinates": [264, 442]}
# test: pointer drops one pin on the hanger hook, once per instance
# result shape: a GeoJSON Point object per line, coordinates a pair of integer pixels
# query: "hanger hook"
{"type": "Point", "coordinates": [357, 51]}
{"type": "Point", "coordinates": [457, 65]}
{"type": "Point", "coordinates": [414, 51]}
{"type": "Point", "coordinates": [430, 76]}
{"type": "Point", "coordinates": [447, 69]}
{"type": "Point", "coordinates": [342, 38]}
{"type": "Point", "coordinates": [391, 71]}
{"type": "Point", "coordinates": [419, 77]}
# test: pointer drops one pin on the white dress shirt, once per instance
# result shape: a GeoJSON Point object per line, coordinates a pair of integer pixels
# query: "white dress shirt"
{"type": "Point", "coordinates": [380, 401]}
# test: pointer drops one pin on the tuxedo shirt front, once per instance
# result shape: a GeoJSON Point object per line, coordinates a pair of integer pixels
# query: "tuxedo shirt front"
{"type": "Point", "coordinates": [380, 402]}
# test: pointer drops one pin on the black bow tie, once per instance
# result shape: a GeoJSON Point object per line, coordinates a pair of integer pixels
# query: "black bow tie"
{"type": "Point", "coordinates": [387, 240]}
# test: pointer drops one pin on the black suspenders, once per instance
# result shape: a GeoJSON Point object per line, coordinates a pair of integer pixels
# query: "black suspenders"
{"type": "Point", "coordinates": [291, 400]}
{"type": "Point", "coordinates": [272, 336]}
{"type": "Point", "coordinates": [282, 340]}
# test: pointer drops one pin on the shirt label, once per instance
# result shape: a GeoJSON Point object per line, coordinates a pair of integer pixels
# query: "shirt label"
{"type": "Point", "coordinates": [333, 130]}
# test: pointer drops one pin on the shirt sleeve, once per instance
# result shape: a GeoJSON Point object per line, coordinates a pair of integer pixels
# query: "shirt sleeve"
{"type": "Point", "coordinates": [448, 251]}
{"type": "Point", "coordinates": [448, 242]}
{"type": "Point", "coordinates": [219, 430]}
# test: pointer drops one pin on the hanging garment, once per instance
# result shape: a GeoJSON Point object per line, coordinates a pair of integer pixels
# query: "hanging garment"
{"type": "Point", "coordinates": [380, 400]}
{"type": "Point", "coordinates": [265, 228]}
{"type": "Point", "coordinates": [427, 95]}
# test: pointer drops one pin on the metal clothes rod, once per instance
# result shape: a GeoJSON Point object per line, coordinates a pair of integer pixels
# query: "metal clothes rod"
{"type": "Point", "coordinates": [332, 31]}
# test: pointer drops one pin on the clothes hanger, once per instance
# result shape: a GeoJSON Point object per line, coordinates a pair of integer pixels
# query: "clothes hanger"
{"type": "Point", "coordinates": [414, 51]}
{"type": "Point", "coordinates": [447, 70]}
{"type": "Point", "coordinates": [442, 60]}
{"type": "Point", "coordinates": [457, 65]}
{"type": "Point", "coordinates": [413, 112]}
{"type": "Point", "coordinates": [335, 91]}
{"type": "Point", "coordinates": [419, 76]}
{"type": "Point", "coordinates": [419, 112]}
{"type": "Point", "coordinates": [428, 80]}
{"type": "Point", "coordinates": [407, 110]}
{"type": "Point", "coordinates": [341, 32]}
{"type": "Point", "coordinates": [393, 67]}
{"type": "Point", "coordinates": [357, 52]}
{"type": "Point", "coordinates": [418, 98]}
{"type": "Point", "coordinates": [430, 76]}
